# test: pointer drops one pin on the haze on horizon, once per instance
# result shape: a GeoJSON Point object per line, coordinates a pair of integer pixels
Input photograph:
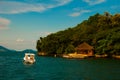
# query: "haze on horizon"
{"type": "Point", "coordinates": [23, 22]}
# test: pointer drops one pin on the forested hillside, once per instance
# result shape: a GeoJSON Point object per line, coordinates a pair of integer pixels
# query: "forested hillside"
{"type": "Point", "coordinates": [102, 31]}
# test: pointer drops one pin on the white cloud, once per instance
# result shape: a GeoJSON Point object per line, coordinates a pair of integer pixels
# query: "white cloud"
{"type": "Point", "coordinates": [15, 7]}
{"type": "Point", "coordinates": [94, 2]}
{"type": "Point", "coordinates": [43, 33]}
{"type": "Point", "coordinates": [47, 33]}
{"type": "Point", "coordinates": [79, 13]}
{"type": "Point", "coordinates": [4, 23]}
{"type": "Point", "coordinates": [20, 40]}
{"type": "Point", "coordinates": [75, 14]}
{"type": "Point", "coordinates": [63, 2]}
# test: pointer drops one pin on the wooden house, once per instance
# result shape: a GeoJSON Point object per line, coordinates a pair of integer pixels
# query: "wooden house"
{"type": "Point", "coordinates": [85, 48]}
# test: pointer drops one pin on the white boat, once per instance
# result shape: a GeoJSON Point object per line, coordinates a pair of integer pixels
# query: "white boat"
{"type": "Point", "coordinates": [29, 58]}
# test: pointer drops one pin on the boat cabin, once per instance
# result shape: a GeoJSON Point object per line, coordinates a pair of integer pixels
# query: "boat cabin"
{"type": "Point", "coordinates": [29, 58]}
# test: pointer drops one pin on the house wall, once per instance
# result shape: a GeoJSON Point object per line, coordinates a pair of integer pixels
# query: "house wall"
{"type": "Point", "coordinates": [87, 52]}
{"type": "Point", "coordinates": [90, 53]}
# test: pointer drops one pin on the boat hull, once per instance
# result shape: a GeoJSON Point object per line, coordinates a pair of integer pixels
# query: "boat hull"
{"type": "Point", "coordinates": [29, 62]}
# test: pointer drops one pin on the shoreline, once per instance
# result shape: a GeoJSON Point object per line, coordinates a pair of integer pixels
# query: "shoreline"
{"type": "Point", "coordinates": [78, 57]}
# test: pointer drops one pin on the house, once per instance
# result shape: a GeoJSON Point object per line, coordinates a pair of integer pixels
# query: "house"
{"type": "Point", "coordinates": [82, 51]}
{"type": "Point", "coordinates": [85, 49]}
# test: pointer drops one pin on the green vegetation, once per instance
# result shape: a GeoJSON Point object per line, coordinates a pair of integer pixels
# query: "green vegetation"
{"type": "Point", "coordinates": [100, 31]}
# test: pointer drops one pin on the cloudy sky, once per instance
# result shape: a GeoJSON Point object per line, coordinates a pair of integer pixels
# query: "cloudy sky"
{"type": "Point", "coordinates": [22, 22]}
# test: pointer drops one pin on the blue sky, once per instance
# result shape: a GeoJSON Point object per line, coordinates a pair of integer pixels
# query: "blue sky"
{"type": "Point", "coordinates": [22, 22]}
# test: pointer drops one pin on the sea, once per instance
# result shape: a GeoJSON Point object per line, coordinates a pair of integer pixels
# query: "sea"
{"type": "Point", "coordinates": [54, 68]}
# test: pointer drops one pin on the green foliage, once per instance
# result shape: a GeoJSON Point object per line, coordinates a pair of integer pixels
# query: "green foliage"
{"type": "Point", "coordinates": [69, 49]}
{"type": "Point", "coordinates": [100, 31]}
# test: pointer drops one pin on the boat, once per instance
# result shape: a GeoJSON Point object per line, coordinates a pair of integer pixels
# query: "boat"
{"type": "Point", "coordinates": [29, 58]}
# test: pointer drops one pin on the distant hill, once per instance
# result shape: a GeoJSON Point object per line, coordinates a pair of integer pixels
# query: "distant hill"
{"type": "Point", "coordinates": [29, 51]}
{"type": "Point", "coordinates": [4, 49]}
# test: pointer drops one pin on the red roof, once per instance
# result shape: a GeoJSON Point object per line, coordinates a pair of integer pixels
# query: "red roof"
{"type": "Point", "coordinates": [84, 46]}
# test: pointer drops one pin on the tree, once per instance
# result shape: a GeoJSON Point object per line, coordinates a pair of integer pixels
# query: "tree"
{"type": "Point", "coordinates": [70, 49]}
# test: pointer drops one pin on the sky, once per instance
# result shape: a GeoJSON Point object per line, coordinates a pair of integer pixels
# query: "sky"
{"type": "Point", "coordinates": [23, 22]}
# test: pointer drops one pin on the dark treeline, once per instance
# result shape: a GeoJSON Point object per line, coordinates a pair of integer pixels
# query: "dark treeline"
{"type": "Point", "coordinates": [100, 31]}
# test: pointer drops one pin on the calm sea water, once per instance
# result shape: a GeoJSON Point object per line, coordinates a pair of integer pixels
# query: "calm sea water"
{"type": "Point", "coordinates": [50, 68]}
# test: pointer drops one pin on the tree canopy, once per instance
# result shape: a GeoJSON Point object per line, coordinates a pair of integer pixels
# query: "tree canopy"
{"type": "Point", "coordinates": [100, 30]}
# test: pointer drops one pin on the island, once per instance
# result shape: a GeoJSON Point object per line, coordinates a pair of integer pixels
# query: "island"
{"type": "Point", "coordinates": [99, 36]}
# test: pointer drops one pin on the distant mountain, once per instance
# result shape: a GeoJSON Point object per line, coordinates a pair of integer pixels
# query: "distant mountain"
{"type": "Point", "coordinates": [29, 51]}
{"type": "Point", "coordinates": [3, 49]}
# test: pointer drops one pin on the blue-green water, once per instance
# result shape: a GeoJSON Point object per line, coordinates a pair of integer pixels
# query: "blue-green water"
{"type": "Point", "coordinates": [50, 68]}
